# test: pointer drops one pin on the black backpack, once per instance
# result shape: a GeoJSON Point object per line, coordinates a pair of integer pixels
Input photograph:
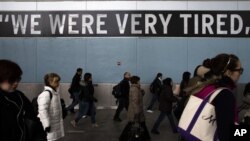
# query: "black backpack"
{"type": "Point", "coordinates": [117, 91]}
{"type": "Point", "coordinates": [35, 105]}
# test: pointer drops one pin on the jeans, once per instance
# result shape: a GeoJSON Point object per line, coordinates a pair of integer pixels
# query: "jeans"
{"type": "Point", "coordinates": [86, 108]}
{"type": "Point", "coordinates": [74, 102]}
{"type": "Point", "coordinates": [123, 103]}
{"type": "Point", "coordinates": [161, 118]}
{"type": "Point", "coordinates": [153, 100]}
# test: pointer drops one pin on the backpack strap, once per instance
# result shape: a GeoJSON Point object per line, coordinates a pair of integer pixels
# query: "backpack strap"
{"type": "Point", "coordinates": [50, 93]}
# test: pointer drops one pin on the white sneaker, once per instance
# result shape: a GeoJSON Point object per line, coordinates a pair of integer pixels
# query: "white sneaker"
{"type": "Point", "coordinates": [73, 123]}
{"type": "Point", "coordinates": [150, 111]}
{"type": "Point", "coordinates": [84, 116]}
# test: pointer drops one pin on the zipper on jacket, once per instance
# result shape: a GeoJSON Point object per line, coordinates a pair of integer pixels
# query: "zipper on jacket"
{"type": "Point", "coordinates": [20, 109]}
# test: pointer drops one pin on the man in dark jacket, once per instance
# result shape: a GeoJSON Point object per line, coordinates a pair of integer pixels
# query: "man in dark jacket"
{"type": "Point", "coordinates": [18, 121]}
{"type": "Point", "coordinates": [74, 90]}
{"type": "Point", "coordinates": [155, 89]}
{"type": "Point", "coordinates": [124, 99]}
{"type": "Point", "coordinates": [166, 102]}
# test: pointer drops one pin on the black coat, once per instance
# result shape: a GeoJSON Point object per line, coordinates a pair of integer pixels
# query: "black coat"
{"type": "Point", "coordinates": [16, 111]}
{"type": "Point", "coordinates": [225, 109]}
{"type": "Point", "coordinates": [157, 86]}
{"type": "Point", "coordinates": [125, 87]}
{"type": "Point", "coordinates": [75, 85]}
{"type": "Point", "coordinates": [166, 99]}
{"type": "Point", "coordinates": [87, 92]}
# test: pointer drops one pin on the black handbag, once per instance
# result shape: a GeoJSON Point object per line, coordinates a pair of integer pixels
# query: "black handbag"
{"type": "Point", "coordinates": [136, 133]}
{"type": "Point", "coordinates": [34, 130]}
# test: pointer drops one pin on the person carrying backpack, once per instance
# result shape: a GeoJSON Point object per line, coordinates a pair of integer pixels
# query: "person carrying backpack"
{"type": "Point", "coordinates": [155, 89]}
{"type": "Point", "coordinates": [49, 108]}
{"type": "Point", "coordinates": [123, 100]}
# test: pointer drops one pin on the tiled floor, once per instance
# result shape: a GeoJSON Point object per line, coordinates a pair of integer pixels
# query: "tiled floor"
{"type": "Point", "coordinates": [109, 130]}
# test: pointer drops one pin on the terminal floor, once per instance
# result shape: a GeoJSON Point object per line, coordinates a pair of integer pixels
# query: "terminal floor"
{"type": "Point", "coordinates": [109, 130]}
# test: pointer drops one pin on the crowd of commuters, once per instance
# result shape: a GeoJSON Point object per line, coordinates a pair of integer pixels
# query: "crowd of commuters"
{"type": "Point", "coordinates": [19, 120]}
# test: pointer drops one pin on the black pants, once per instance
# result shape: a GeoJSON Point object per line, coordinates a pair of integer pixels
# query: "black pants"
{"type": "Point", "coordinates": [123, 103]}
{"type": "Point", "coordinates": [155, 98]}
{"type": "Point", "coordinates": [161, 118]}
{"type": "Point", "coordinates": [125, 133]}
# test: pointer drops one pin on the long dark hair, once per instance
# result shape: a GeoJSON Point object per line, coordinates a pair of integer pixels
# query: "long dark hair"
{"type": "Point", "coordinates": [221, 63]}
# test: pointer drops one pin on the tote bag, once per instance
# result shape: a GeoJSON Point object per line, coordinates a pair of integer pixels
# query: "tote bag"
{"type": "Point", "coordinates": [198, 120]}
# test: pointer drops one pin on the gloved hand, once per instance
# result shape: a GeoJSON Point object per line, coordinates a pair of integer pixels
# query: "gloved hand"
{"type": "Point", "coordinates": [47, 129]}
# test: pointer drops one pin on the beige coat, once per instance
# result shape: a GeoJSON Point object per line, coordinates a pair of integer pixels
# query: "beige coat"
{"type": "Point", "coordinates": [135, 109]}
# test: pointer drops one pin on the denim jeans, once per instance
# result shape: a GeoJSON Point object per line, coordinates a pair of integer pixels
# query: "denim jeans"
{"type": "Point", "coordinates": [86, 108]}
{"type": "Point", "coordinates": [123, 103]}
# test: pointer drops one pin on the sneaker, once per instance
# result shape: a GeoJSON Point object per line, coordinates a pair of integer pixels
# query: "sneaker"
{"type": "Point", "coordinates": [155, 132]}
{"type": "Point", "coordinates": [84, 116]}
{"type": "Point", "coordinates": [117, 119]}
{"type": "Point", "coordinates": [73, 123]}
{"type": "Point", "coordinates": [150, 111]}
{"type": "Point", "coordinates": [95, 125]}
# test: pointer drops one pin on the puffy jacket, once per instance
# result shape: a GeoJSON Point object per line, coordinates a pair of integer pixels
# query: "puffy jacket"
{"type": "Point", "coordinates": [50, 113]}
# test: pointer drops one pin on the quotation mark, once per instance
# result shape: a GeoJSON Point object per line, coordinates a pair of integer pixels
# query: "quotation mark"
{"type": "Point", "coordinates": [4, 19]}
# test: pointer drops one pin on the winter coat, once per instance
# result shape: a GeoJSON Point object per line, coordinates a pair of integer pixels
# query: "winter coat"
{"type": "Point", "coordinates": [125, 88]}
{"type": "Point", "coordinates": [157, 85]}
{"type": "Point", "coordinates": [166, 99]}
{"type": "Point", "coordinates": [50, 113]}
{"type": "Point", "coordinates": [75, 84]}
{"type": "Point", "coordinates": [135, 109]}
{"type": "Point", "coordinates": [15, 112]}
{"type": "Point", "coordinates": [87, 92]}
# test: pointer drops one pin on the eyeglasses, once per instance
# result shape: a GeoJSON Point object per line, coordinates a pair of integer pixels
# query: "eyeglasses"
{"type": "Point", "coordinates": [240, 70]}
